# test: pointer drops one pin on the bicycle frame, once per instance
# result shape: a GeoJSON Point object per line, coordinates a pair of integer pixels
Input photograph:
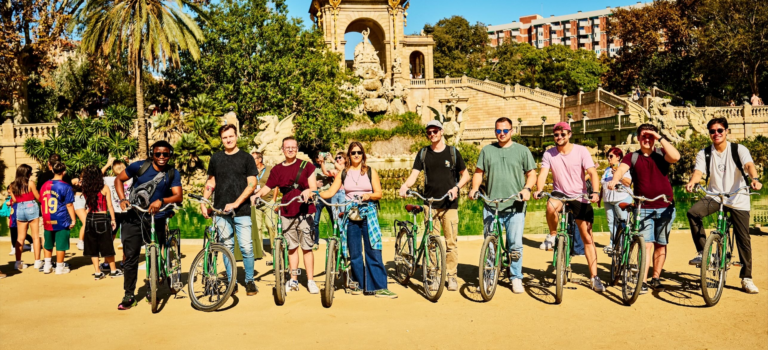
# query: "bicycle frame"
{"type": "Point", "coordinates": [339, 224]}
{"type": "Point", "coordinates": [162, 255]}
{"type": "Point", "coordinates": [420, 252]}
{"type": "Point", "coordinates": [562, 233]}
{"type": "Point", "coordinates": [723, 227]}
{"type": "Point", "coordinates": [496, 227]}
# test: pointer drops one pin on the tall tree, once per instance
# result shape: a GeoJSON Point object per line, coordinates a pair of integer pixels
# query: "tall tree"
{"type": "Point", "coordinates": [149, 32]}
{"type": "Point", "coordinates": [460, 48]}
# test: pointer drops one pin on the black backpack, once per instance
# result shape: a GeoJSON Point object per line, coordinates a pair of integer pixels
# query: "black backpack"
{"type": "Point", "coordinates": [423, 155]}
{"type": "Point", "coordinates": [734, 156]}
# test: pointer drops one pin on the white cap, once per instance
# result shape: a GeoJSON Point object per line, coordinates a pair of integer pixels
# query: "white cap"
{"type": "Point", "coordinates": [436, 123]}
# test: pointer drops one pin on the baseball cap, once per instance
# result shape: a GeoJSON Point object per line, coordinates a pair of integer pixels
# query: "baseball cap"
{"type": "Point", "coordinates": [436, 123]}
{"type": "Point", "coordinates": [564, 125]}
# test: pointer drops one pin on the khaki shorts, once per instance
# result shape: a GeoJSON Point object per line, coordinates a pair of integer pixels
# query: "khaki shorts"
{"type": "Point", "coordinates": [298, 232]}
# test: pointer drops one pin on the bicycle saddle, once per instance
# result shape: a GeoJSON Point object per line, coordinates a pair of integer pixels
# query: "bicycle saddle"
{"type": "Point", "coordinates": [341, 215]}
{"type": "Point", "coordinates": [415, 209]}
{"type": "Point", "coordinates": [624, 205]}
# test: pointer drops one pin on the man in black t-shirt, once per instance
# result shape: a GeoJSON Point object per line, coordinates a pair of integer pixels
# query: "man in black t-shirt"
{"type": "Point", "coordinates": [232, 175]}
{"type": "Point", "coordinates": [444, 172]}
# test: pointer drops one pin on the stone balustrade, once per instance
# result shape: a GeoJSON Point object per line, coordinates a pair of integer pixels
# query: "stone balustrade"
{"type": "Point", "coordinates": [22, 132]}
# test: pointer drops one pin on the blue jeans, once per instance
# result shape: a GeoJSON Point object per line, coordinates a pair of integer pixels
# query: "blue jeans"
{"type": "Point", "coordinates": [514, 224]}
{"type": "Point", "coordinates": [578, 243]}
{"type": "Point", "coordinates": [612, 211]}
{"type": "Point", "coordinates": [371, 275]}
{"type": "Point", "coordinates": [655, 224]}
{"type": "Point", "coordinates": [228, 227]}
{"type": "Point", "coordinates": [319, 211]}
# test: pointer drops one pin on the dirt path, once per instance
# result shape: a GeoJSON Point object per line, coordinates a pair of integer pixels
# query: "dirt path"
{"type": "Point", "coordinates": [73, 311]}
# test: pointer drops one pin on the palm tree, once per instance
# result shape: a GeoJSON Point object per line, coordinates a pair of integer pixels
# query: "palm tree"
{"type": "Point", "coordinates": [149, 32]}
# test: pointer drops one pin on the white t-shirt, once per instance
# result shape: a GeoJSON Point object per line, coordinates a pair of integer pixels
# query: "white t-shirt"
{"type": "Point", "coordinates": [110, 182]}
{"type": "Point", "coordinates": [612, 196]}
{"type": "Point", "coordinates": [724, 176]}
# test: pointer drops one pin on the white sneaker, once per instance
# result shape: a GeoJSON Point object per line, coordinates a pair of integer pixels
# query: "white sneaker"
{"type": "Point", "coordinates": [517, 286]}
{"type": "Point", "coordinates": [597, 285]}
{"type": "Point", "coordinates": [60, 270]}
{"type": "Point", "coordinates": [38, 264]}
{"type": "Point", "coordinates": [80, 245]}
{"type": "Point", "coordinates": [20, 265]}
{"type": "Point", "coordinates": [749, 286]}
{"type": "Point", "coordinates": [312, 287]}
{"type": "Point", "coordinates": [13, 251]}
{"type": "Point", "coordinates": [292, 286]}
{"type": "Point", "coordinates": [48, 268]}
{"type": "Point", "coordinates": [548, 244]}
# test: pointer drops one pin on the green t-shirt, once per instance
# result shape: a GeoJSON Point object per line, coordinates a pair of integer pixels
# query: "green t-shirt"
{"type": "Point", "coordinates": [505, 169]}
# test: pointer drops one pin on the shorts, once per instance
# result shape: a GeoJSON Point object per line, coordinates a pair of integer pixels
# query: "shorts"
{"type": "Point", "coordinates": [98, 236]}
{"type": "Point", "coordinates": [27, 211]}
{"type": "Point", "coordinates": [79, 202]}
{"type": "Point", "coordinates": [656, 224]}
{"type": "Point", "coordinates": [298, 231]}
{"type": "Point", "coordinates": [581, 211]}
{"type": "Point", "coordinates": [61, 237]}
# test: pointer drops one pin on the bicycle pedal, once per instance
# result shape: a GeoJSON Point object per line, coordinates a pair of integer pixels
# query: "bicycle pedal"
{"type": "Point", "coordinates": [736, 264]}
{"type": "Point", "coordinates": [515, 256]}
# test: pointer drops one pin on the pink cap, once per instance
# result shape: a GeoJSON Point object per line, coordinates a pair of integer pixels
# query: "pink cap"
{"type": "Point", "coordinates": [564, 125]}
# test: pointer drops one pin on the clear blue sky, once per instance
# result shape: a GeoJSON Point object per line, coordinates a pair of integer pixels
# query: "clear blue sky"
{"type": "Point", "coordinates": [490, 12]}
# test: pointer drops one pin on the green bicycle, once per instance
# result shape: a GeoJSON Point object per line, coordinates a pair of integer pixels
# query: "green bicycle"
{"type": "Point", "coordinates": [209, 285]}
{"type": "Point", "coordinates": [718, 251]}
{"type": "Point", "coordinates": [628, 259]}
{"type": "Point", "coordinates": [491, 258]}
{"type": "Point", "coordinates": [280, 253]}
{"type": "Point", "coordinates": [162, 264]}
{"type": "Point", "coordinates": [336, 263]}
{"type": "Point", "coordinates": [431, 249]}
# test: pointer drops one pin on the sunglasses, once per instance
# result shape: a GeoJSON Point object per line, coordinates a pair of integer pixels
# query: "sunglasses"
{"type": "Point", "coordinates": [356, 153]}
{"type": "Point", "coordinates": [719, 131]}
{"type": "Point", "coordinates": [339, 158]}
{"type": "Point", "coordinates": [162, 154]}
{"type": "Point", "coordinates": [557, 134]}
{"type": "Point", "coordinates": [290, 148]}
{"type": "Point", "coordinates": [502, 131]}
{"type": "Point", "coordinates": [611, 156]}
{"type": "Point", "coordinates": [432, 132]}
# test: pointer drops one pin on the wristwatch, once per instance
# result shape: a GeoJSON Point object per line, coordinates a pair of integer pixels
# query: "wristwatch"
{"type": "Point", "coordinates": [527, 188]}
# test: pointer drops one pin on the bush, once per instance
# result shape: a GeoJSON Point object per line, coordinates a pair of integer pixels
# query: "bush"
{"type": "Point", "coordinates": [682, 170]}
{"type": "Point", "coordinates": [470, 153]}
{"type": "Point", "coordinates": [409, 126]}
{"type": "Point", "coordinates": [589, 143]}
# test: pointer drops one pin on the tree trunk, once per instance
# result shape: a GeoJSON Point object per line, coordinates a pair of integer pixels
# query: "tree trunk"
{"type": "Point", "coordinates": [140, 118]}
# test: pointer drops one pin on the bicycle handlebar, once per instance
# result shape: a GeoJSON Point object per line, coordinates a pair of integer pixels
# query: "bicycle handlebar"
{"type": "Point", "coordinates": [201, 199]}
{"type": "Point", "coordinates": [702, 189]}
{"type": "Point", "coordinates": [357, 200]}
{"type": "Point", "coordinates": [515, 197]}
{"type": "Point", "coordinates": [563, 199]}
{"type": "Point", "coordinates": [280, 205]}
{"type": "Point", "coordinates": [166, 207]}
{"type": "Point", "coordinates": [663, 197]}
{"type": "Point", "coordinates": [414, 193]}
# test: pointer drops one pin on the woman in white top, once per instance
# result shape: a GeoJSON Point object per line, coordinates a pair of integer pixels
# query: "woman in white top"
{"type": "Point", "coordinates": [612, 198]}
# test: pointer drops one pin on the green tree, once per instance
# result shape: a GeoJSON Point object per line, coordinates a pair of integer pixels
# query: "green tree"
{"type": "Point", "coordinates": [149, 32]}
{"type": "Point", "coordinates": [460, 48]}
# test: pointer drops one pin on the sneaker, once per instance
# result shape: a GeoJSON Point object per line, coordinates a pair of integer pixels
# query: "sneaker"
{"type": "Point", "coordinates": [312, 287]}
{"type": "Point", "coordinates": [608, 250]}
{"type": "Point", "coordinates": [128, 302]}
{"type": "Point", "coordinates": [98, 276]}
{"type": "Point", "coordinates": [696, 261]}
{"type": "Point", "coordinates": [452, 284]}
{"type": "Point", "coordinates": [20, 265]}
{"type": "Point", "coordinates": [47, 269]}
{"type": "Point", "coordinates": [355, 291]}
{"type": "Point", "coordinates": [644, 289]}
{"type": "Point", "coordinates": [548, 244]}
{"type": "Point", "coordinates": [116, 273]}
{"type": "Point", "coordinates": [517, 286]}
{"type": "Point", "coordinates": [385, 293]}
{"type": "Point", "coordinates": [80, 245]}
{"type": "Point", "coordinates": [292, 286]}
{"type": "Point", "coordinates": [13, 251]}
{"type": "Point", "coordinates": [656, 284]}
{"type": "Point", "coordinates": [597, 286]}
{"type": "Point", "coordinates": [61, 270]}
{"type": "Point", "coordinates": [39, 265]}
{"type": "Point", "coordinates": [434, 286]}
{"type": "Point", "coordinates": [104, 267]}
{"type": "Point", "coordinates": [234, 291]}
{"type": "Point", "coordinates": [251, 289]}
{"type": "Point", "coordinates": [749, 286]}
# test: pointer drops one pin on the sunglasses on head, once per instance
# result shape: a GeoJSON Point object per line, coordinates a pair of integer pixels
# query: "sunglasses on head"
{"type": "Point", "coordinates": [162, 154]}
{"type": "Point", "coordinates": [432, 132]}
{"type": "Point", "coordinates": [719, 131]}
{"type": "Point", "coordinates": [501, 131]}
{"type": "Point", "coordinates": [356, 153]}
{"type": "Point", "coordinates": [560, 134]}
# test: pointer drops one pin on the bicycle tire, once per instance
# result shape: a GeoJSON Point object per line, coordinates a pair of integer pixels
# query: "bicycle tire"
{"type": "Point", "coordinates": [434, 247]}
{"type": "Point", "coordinates": [153, 277]}
{"type": "Point", "coordinates": [713, 275]}
{"type": "Point", "coordinates": [560, 270]}
{"type": "Point", "coordinates": [488, 270]}
{"type": "Point", "coordinates": [616, 256]}
{"type": "Point", "coordinates": [212, 282]}
{"type": "Point", "coordinates": [330, 274]}
{"type": "Point", "coordinates": [404, 262]}
{"type": "Point", "coordinates": [633, 280]}
{"type": "Point", "coordinates": [279, 268]}
{"type": "Point", "coordinates": [173, 266]}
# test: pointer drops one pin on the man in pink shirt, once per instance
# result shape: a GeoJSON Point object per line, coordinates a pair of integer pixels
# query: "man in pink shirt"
{"type": "Point", "coordinates": [568, 163]}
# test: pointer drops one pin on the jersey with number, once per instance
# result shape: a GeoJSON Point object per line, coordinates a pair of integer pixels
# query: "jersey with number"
{"type": "Point", "coordinates": [55, 196]}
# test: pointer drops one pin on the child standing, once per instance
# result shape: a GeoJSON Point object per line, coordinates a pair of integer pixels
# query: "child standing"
{"type": "Point", "coordinates": [99, 221]}
{"type": "Point", "coordinates": [58, 218]}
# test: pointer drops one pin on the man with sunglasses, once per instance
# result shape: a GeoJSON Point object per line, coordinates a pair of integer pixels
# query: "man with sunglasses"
{"type": "Point", "coordinates": [511, 170]}
{"type": "Point", "coordinates": [135, 228]}
{"type": "Point", "coordinates": [650, 168]}
{"type": "Point", "coordinates": [568, 163]}
{"type": "Point", "coordinates": [726, 170]}
{"type": "Point", "coordinates": [444, 172]}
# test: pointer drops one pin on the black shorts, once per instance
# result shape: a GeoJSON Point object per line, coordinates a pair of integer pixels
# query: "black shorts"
{"type": "Point", "coordinates": [579, 210]}
{"type": "Point", "coordinates": [98, 235]}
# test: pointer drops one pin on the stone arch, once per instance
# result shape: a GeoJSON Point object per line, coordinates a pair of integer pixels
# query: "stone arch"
{"type": "Point", "coordinates": [416, 64]}
{"type": "Point", "coordinates": [377, 37]}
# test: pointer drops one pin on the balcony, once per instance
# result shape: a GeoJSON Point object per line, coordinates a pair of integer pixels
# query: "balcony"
{"type": "Point", "coordinates": [583, 32]}
{"type": "Point", "coordinates": [583, 23]}
{"type": "Point", "coordinates": [585, 40]}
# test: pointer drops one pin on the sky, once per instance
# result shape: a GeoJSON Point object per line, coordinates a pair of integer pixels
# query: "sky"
{"type": "Point", "coordinates": [489, 12]}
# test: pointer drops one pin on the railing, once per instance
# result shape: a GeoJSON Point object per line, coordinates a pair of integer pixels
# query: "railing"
{"type": "Point", "coordinates": [729, 112]}
{"type": "Point", "coordinates": [576, 127]}
{"type": "Point", "coordinates": [588, 98]}
{"type": "Point", "coordinates": [530, 130]}
{"type": "Point", "coordinates": [438, 81]}
{"type": "Point", "coordinates": [478, 133]}
{"type": "Point", "coordinates": [612, 100]}
{"type": "Point", "coordinates": [760, 111]}
{"type": "Point", "coordinates": [601, 124]}
{"type": "Point", "coordinates": [626, 123]}
{"type": "Point", "coordinates": [418, 82]}
{"type": "Point", "coordinates": [22, 132]}
{"type": "Point", "coordinates": [486, 84]}
{"type": "Point", "coordinates": [572, 101]}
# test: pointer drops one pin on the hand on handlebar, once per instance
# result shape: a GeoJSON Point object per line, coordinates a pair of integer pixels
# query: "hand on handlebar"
{"type": "Point", "coordinates": [537, 195]}
{"type": "Point", "coordinates": [525, 195]}
{"type": "Point", "coordinates": [594, 197]}
{"type": "Point", "coordinates": [689, 187]}
{"type": "Point", "coordinates": [403, 191]}
{"type": "Point", "coordinates": [756, 185]}
{"type": "Point", "coordinates": [204, 210]}
{"type": "Point", "coordinates": [124, 205]}
{"type": "Point", "coordinates": [155, 206]}
{"type": "Point", "coordinates": [612, 184]}
{"type": "Point", "coordinates": [306, 195]}
{"type": "Point", "coordinates": [453, 193]}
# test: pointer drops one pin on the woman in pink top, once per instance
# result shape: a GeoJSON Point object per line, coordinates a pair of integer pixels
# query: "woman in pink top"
{"type": "Point", "coordinates": [360, 181]}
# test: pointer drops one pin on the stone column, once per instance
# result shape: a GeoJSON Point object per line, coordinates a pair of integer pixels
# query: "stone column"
{"type": "Point", "coordinates": [8, 151]}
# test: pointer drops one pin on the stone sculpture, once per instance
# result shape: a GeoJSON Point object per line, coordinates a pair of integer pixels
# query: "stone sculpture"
{"type": "Point", "coordinates": [269, 140]}
{"type": "Point", "coordinates": [376, 90]}
{"type": "Point", "coordinates": [662, 116]}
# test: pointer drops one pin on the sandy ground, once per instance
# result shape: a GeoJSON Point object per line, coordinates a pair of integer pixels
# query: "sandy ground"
{"type": "Point", "coordinates": [73, 311]}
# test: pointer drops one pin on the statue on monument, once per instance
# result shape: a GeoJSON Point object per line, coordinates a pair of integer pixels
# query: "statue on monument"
{"type": "Point", "coordinates": [376, 89]}
{"type": "Point", "coordinates": [269, 140]}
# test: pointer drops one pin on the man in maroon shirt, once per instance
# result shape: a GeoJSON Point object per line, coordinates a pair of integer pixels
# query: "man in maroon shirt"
{"type": "Point", "coordinates": [298, 218]}
{"type": "Point", "coordinates": [650, 176]}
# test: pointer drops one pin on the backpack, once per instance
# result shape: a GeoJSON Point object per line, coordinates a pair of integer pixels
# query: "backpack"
{"type": "Point", "coordinates": [141, 194]}
{"type": "Point", "coordinates": [635, 156]}
{"type": "Point", "coordinates": [285, 189]}
{"type": "Point", "coordinates": [423, 155]}
{"type": "Point", "coordinates": [734, 156]}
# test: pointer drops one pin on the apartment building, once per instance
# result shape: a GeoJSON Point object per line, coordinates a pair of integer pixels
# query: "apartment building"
{"type": "Point", "coordinates": [581, 30]}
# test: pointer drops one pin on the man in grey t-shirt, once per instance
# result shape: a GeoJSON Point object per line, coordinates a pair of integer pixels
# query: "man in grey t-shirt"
{"type": "Point", "coordinates": [724, 176]}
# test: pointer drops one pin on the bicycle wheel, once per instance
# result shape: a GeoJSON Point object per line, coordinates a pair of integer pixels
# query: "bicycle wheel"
{"type": "Point", "coordinates": [560, 270]}
{"type": "Point", "coordinates": [434, 271]}
{"type": "Point", "coordinates": [152, 276]}
{"type": "Point", "coordinates": [616, 256]}
{"type": "Point", "coordinates": [279, 268]}
{"type": "Point", "coordinates": [713, 273]}
{"type": "Point", "coordinates": [330, 274]}
{"type": "Point", "coordinates": [632, 271]}
{"type": "Point", "coordinates": [209, 286]}
{"type": "Point", "coordinates": [404, 262]}
{"type": "Point", "coordinates": [488, 269]}
{"type": "Point", "coordinates": [173, 266]}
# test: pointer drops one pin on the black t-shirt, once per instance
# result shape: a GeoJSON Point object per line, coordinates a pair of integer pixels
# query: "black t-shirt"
{"type": "Point", "coordinates": [47, 176]}
{"type": "Point", "coordinates": [440, 178]}
{"type": "Point", "coordinates": [231, 172]}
